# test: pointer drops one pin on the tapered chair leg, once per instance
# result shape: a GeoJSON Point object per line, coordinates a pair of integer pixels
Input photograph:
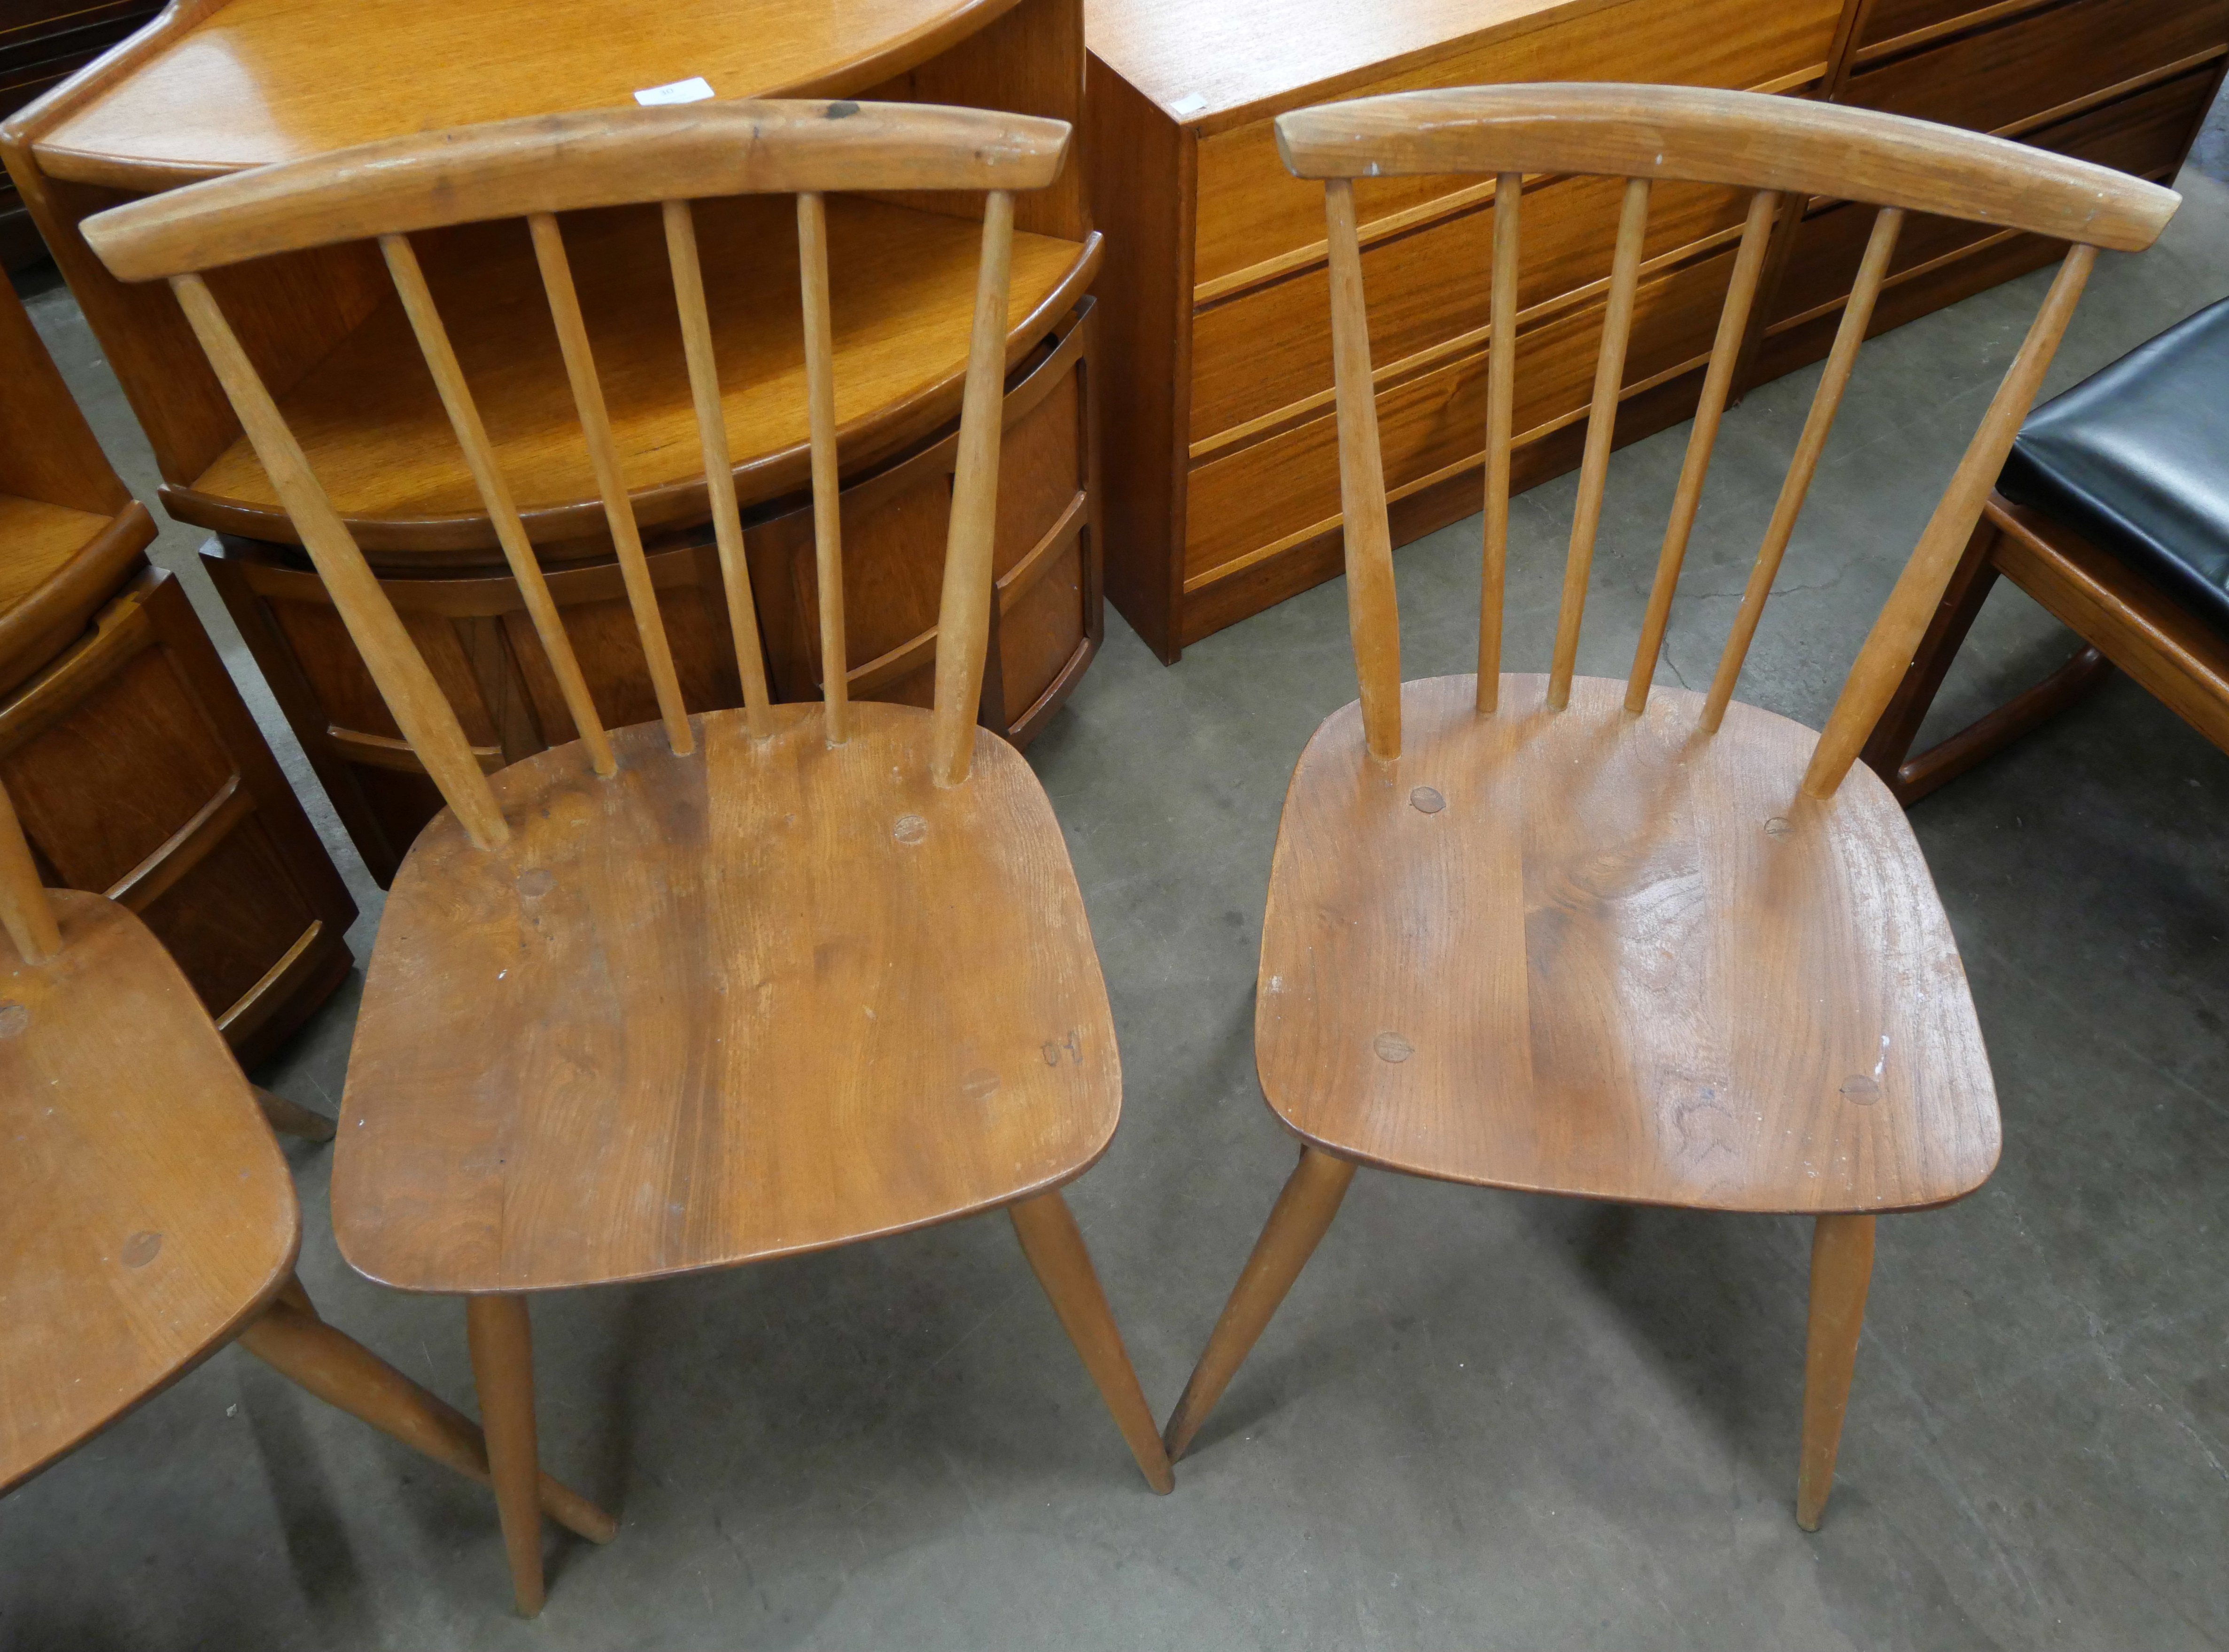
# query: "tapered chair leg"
{"type": "Point", "coordinates": [1055, 1247]}
{"type": "Point", "coordinates": [503, 1370]}
{"type": "Point", "coordinates": [1304, 1212]}
{"type": "Point", "coordinates": [292, 1340]}
{"type": "Point", "coordinates": [1841, 1269]}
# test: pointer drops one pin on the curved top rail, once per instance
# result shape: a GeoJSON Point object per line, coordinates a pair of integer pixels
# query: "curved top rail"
{"type": "Point", "coordinates": [1741, 139]}
{"type": "Point", "coordinates": [596, 158]}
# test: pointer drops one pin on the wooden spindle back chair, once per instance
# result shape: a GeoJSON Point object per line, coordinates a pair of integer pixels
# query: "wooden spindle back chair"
{"type": "Point", "coordinates": [146, 1216]}
{"type": "Point", "coordinates": [728, 987]}
{"type": "Point", "coordinates": [1784, 151]}
{"type": "Point", "coordinates": [534, 170]}
{"type": "Point", "coordinates": [1571, 936]}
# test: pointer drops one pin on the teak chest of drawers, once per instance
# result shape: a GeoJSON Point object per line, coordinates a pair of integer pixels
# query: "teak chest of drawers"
{"type": "Point", "coordinates": [1220, 458]}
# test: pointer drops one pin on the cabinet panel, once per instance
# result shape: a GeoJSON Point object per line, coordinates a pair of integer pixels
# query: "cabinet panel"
{"type": "Point", "coordinates": [2144, 133]}
{"type": "Point", "coordinates": [1251, 210]}
{"type": "Point", "coordinates": [2001, 76]}
{"type": "Point", "coordinates": [1268, 349]}
{"type": "Point", "coordinates": [1281, 487]}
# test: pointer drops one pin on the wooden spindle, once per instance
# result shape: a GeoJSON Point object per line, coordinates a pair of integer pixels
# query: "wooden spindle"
{"type": "Point", "coordinates": [1500, 414]}
{"type": "Point", "coordinates": [1826, 402]}
{"type": "Point", "coordinates": [1718, 380]}
{"type": "Point", "coordinates": [963, 617]}
{"type": "Point", "coordinates": [495, 494]}
{"type": "Point", "coordinates": [1888, 648]}
{"type": "Point", "coordinates": [1373, 619]}
{"type": "Point", "coordinates": [400, 672]}
{"type": "Point", "coordinates": [1602, 426]}
{"type": "Point", "coordinates": [25, 911]}
{"type": "Point", "coordinates": [820, 408]}
{"type": "Point", "coordinates": [719, 469]}
{"type": "Point", "coordinates": [611, 481]}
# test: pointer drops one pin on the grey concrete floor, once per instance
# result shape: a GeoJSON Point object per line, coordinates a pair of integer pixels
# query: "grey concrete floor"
{"type": "Point", "coordinates": [1481, 1419]}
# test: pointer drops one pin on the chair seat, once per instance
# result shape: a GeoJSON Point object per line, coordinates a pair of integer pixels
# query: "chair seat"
{"type": "Point", "coordinates": [2135, 458]}
{"type": "Point", "coordinates": [767, 998]}
{"type": "Point", "coordinates": [146, 1212]}
{"type": "Point", "coordinates": [1588, 952]}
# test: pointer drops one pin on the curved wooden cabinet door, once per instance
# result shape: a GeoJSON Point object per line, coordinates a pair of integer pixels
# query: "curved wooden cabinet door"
{"type": "Point", "coordinates": [138, 774]}
{"type": "Point", "coordinates": [475, 636]}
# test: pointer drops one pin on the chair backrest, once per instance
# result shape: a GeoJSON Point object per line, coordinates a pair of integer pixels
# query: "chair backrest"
{"type": "Point", "coordinates": [534, 169]}
{"type": "Point", "coordinates": [1785, 151]}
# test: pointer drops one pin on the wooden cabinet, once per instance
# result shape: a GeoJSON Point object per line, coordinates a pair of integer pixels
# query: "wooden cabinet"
{"type": "Point", "coordinates": [135, 768]}
{"type": "Point", "coordinates": [43, 43]}
{"type": "Point", "coordinates": [472, 629]}
{"type": "Point", "coordinates": [1223, 479]}
{"type": "Point", "coordinates": [217, 85]}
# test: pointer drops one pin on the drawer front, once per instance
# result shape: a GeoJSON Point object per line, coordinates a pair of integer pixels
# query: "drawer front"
{"type": "Point", "coordinates": [2003, 76]}
{"type": "Point", "coordinates": [1250, 209]}
{"type": "Point", "coordinates": [1268, 349]}
{"type": "Point", "coordinates": [2144, 133]}
{"type": "Point", "coordinates": [1282, 487]}
{"type": "Point", "coordinates": [1887, 20]}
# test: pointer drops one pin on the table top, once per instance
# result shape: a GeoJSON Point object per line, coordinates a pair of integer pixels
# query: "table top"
{"type": "Point", "coordinates": [254, 81]}
{"type": "Point", "coordinates": [1213, 66]}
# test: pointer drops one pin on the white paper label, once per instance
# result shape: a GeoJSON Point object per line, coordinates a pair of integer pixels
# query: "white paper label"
{"type": "Point", "coordinates": [1185, 106]}
{"type": "Point", "coordinates": [694, 89]}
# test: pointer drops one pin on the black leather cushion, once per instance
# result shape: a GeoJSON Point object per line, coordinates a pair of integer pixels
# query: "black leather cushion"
{"type": "Point", "coordinates": [2136, 460]}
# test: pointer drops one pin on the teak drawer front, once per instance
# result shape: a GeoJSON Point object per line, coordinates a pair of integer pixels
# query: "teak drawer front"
{"type": "Point", "coordinates": [1268, 350]}
{"type": "Point", "coordinates": [1250, 209]}
{"type": "Point", "coordinates": [2144, 133]}
{"type": "Point", "coordinates": [1277, 490]}
{"type": "Point", "coordinates": [1887, 20]}
{"type": "Point", "coordinates": [2041, 60]}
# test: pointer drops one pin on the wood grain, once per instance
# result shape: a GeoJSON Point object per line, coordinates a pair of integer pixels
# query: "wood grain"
{"type": "Point", "coordinates": [1702, 438]}
{"type": "Point", "coordinates": [804, 994]}
{"type": "Point", "coordinates": [1796, 483]}
{"type": "Point", "coordinates": [120, 1269]}
{"type": "Point", "coordinates": [967, 610]}
{"type": "Point", "coordinates": [1890, 645]}
{"type": "Point", "coordinates": [1373, 618]}
{"type": "Point", "coordinates": [421, 711]}
{"type": "Point", "coordinates": [1602, 426]}
{"type": "Point", "coordinates": [574, 163]}
{"type": "Point", "coordinates": [252, 82]}
{"type": "Point", "coordinates": [1626, 961]}
{"type": "Point", "coordinates": [374, 431]}
{"type": "Point", "coordinates": [1731, 137]}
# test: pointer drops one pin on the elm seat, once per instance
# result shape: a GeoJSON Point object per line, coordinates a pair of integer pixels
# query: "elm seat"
{"type": "Point", "coordinates": [2136, 460]}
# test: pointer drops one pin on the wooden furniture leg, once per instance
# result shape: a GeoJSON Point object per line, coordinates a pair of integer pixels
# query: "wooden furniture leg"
{"type": "Point", "coordinates": [1303, 1212]}
{"type": "Point", "coordinates": [503, 1370]}
{"type": "Point", "coordinates": [1053, 1245]}
{"type": "Point", "coordinates": [1887, 752]}
{"type": "Point", "coordinates": [1841, 1268]}
{"type": "Point", "coordinates": [291, 1118]}
{"type": "Point", "coordinates": [292, 1340]}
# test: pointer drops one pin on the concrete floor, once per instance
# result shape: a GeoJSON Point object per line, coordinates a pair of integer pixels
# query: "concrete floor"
{"type": "Point", "coordinates": [1482, 1419]}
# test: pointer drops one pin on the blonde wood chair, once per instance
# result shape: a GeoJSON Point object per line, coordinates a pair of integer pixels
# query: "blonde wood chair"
{"type": "Point", "coordinates": [710, 989]}
{"type": "Point", "coordinates": [1574, 935]}
{"type": "Point", "coordinates": [147, 1217]}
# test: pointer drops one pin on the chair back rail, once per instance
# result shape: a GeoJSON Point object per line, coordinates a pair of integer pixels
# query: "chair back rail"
{"type": "Point", "coordinates": [534, 170]}
{"type": "Point", "coordinates": [1783, 150]}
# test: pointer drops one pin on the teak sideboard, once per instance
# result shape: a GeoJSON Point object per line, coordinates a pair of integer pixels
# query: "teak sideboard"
{"type": "Point", "coordinates": [1221, 452]}
{"type": "Point", "coordinates": [218, 86]}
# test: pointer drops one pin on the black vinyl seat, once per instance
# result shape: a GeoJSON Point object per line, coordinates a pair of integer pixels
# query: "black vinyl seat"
{"type": "Point", "coordinates": [2136, 460]}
